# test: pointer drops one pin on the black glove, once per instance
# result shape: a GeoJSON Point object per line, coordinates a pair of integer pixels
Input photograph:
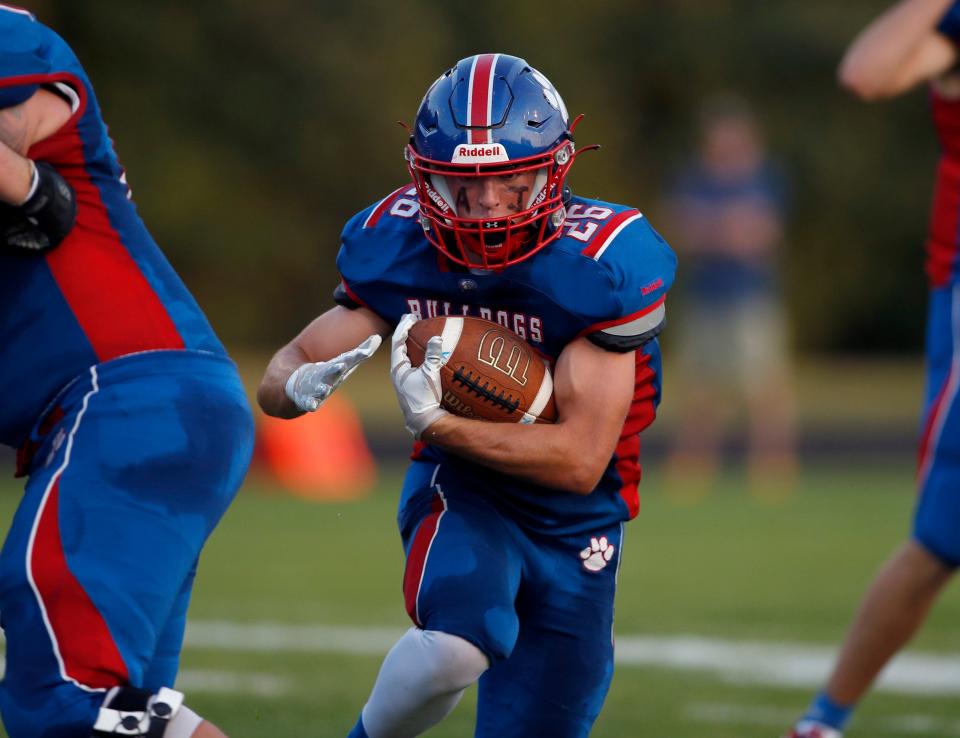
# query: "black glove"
{"type": "Point", "coordinates": [47, 216]}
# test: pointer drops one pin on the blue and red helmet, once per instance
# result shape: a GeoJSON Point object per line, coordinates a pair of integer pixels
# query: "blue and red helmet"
{"type": "Point", "coordinates": [491, 115]}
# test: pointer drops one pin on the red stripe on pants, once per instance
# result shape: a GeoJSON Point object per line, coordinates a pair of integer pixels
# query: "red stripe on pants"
{"type": "Point", "coordinates": [80, 633]}
{"type": "Point", "coordinates": [417, 558]}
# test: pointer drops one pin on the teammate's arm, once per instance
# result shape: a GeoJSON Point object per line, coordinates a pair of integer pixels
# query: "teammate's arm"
{"type": "Point", "coordinates": [324, 353]}
{"type": "Point", "coordinates": [21, 126]}
{"type": "Point", "coordinates": [593, 389]}
{"type": "Point", "coordinates": [897, 51]}
{"type": "Point", "coordinates": [38, 207]}
{"type": "Point", "coordinates": [16, 171]}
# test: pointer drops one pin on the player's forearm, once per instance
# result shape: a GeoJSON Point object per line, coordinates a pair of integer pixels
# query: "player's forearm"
{"type": "Point", "coordinates": [16, 130]}
{"type": "Point", "coordinates": [16, 175]}
{"type": "Point", "coordinates": [17, 133]}
{"type": "Point", "coordinates": [549, 455]}
{"type": "Point", "coordinates": [894, 52]}
{"type": "Point", "coordinates": [271, 395]}
{"type": "Point", "coordinates": [22, 126]}
{"type": "Point", "coordinates": [332, 333]}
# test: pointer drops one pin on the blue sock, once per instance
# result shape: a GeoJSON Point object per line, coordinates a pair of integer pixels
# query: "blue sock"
{"type": "Point", "coordinates": [358, 730]}
{"type": "Point", "coordinates": [826, 711]}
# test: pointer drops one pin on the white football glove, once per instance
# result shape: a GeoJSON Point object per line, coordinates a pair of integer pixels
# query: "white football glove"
{"type": "Point", "coordinates": [418, 389]}
{"type": "Point", "coordinates": [311, 384]}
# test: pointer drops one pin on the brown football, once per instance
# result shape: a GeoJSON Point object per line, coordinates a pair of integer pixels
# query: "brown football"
{"type": "Point", "coordinates": [492, 373]}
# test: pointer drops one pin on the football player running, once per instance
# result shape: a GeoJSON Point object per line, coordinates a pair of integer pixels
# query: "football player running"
{"type": "Point", "coordinates": [130, 420]}
{"type": "Point", "coordinates": [914, 42]}
{"type": "Point", "coordinates": [513, 533]}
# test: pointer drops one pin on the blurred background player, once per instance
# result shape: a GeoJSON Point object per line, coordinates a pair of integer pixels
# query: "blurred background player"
{"type": "Point", "coordinates": [512, 533]}
{"type": "Point", "coordinates": [726, 210]}
{"type": "Point", "coordinates": [129, 418]}
{"type": "Point", "coordinates": [912, 43]}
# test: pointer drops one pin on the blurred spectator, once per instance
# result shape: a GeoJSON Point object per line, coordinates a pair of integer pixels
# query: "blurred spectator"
{"type": "Point", "coordinates": [726, 211]}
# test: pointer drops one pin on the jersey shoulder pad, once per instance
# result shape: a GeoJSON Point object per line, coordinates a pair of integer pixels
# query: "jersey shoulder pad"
{"type": "Point", "coordinates": [399, 209]}
{"type": "Point", "coordinates": [378, 236]}
{"type": "Point", "coordinates": [22, 54]}
{"type": "Point", "coordinates": [638, 265]}
{"type": "Point", "coordinates": [591, 226]}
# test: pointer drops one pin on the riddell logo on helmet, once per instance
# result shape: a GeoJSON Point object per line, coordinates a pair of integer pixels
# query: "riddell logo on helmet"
{"type": "Point", "coordinates": [479, 153]}
{"type": "Point", "coordinates": [437, 200]}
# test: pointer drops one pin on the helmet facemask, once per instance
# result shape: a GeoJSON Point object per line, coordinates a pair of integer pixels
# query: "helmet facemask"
{"type": "Point", "coordinates": [498, 242]}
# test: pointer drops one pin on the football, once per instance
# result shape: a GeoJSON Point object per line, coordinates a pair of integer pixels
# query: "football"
{"type": "Point", "coordinates": [491, 374]}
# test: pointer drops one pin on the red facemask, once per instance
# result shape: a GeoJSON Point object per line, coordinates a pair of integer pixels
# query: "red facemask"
{"type": "Point", "coordinates": [492, 243]}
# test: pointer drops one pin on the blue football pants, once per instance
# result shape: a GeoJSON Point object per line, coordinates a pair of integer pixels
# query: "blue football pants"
{"type": "Point", "coordinates": [135, 464]}
{"type": "Point", "coordinates": [539, 607]}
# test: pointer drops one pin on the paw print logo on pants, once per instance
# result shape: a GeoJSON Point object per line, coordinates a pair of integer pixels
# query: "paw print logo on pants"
{"type": "Point", "coordinates": [598, 554]}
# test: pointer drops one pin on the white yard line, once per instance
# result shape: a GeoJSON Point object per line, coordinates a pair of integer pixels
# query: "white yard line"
{"type": "Point", "coordinates": [788, 665]}
{"type": "Point", "coordinates": [234, 682]}
{"type": "Point", "coordinates": [743, 662]}
{"type": "Point", "coordinates": [276, 637]}
{"type": "Point", "coordinates": [784, 664]}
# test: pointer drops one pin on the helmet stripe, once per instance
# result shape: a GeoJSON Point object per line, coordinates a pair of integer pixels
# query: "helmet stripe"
{"type": "Point", "coordinates": [480, 97]}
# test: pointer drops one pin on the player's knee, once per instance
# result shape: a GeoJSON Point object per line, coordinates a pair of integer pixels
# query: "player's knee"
{"type": "Point", "coordinates": [493, 630]}
{"type": "Point", "coordinates": [452, 662]}
{"type": "Point", "coordinates": [498, 634]}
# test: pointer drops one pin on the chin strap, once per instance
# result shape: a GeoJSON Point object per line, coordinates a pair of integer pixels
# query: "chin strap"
{"type": "Point", "coordinates": [137, 712]}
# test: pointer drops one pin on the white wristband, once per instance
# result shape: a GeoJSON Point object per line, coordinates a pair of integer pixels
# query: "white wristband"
{"type": "Point", "coordinates": [34, 181]}
{"type": "Point", "coordinates": [288, 388]}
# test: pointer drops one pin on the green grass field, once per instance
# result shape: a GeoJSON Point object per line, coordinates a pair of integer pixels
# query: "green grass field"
{"type": "Point", "coordinates": [729, 567]}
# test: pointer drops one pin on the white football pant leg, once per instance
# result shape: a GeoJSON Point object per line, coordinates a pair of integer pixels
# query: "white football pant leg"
{"type": "Point", "coordinates": [420, 682]}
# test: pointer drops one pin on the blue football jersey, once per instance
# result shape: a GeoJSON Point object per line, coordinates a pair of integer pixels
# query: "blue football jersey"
{"type": "Point", "coordinates": [605, 278]}
{"type": "Point", "coordinates": [107, 290]}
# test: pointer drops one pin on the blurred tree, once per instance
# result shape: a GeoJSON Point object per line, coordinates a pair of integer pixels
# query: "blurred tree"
{"type": "Point", "coordinates": [253, 130]}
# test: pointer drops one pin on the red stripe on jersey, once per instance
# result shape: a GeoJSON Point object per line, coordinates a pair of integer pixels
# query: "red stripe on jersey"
{"type": "Point", "coordinates": [81, 635]}
{"type": "Point", "coordinates": [946, 120]}
{"type": "Point", "coordinates": [417, 558]}
{"type": "Point", "coordinates": [382, 207]}
{"type": "Point", "coordinates": [42, 79]}
{"type": "Point", "coordinates": [418, 448]}
{"type": "Point", "coordinates": [117, 309]}
{"type": "Point", "coordinates": [603, 235]}
{"type": "Point", "coordinates": [114, 304]}
{"type": "Point", "coordinates": [625, 319]}
{"type": "Point", "coordinates": [942, 241]}
{"type": "Point", "coordinates": [353, 295]}
{"type": "Point", "coordinates": [479, 103]}
{"type": "Point", "coordinates": [641, 414]}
